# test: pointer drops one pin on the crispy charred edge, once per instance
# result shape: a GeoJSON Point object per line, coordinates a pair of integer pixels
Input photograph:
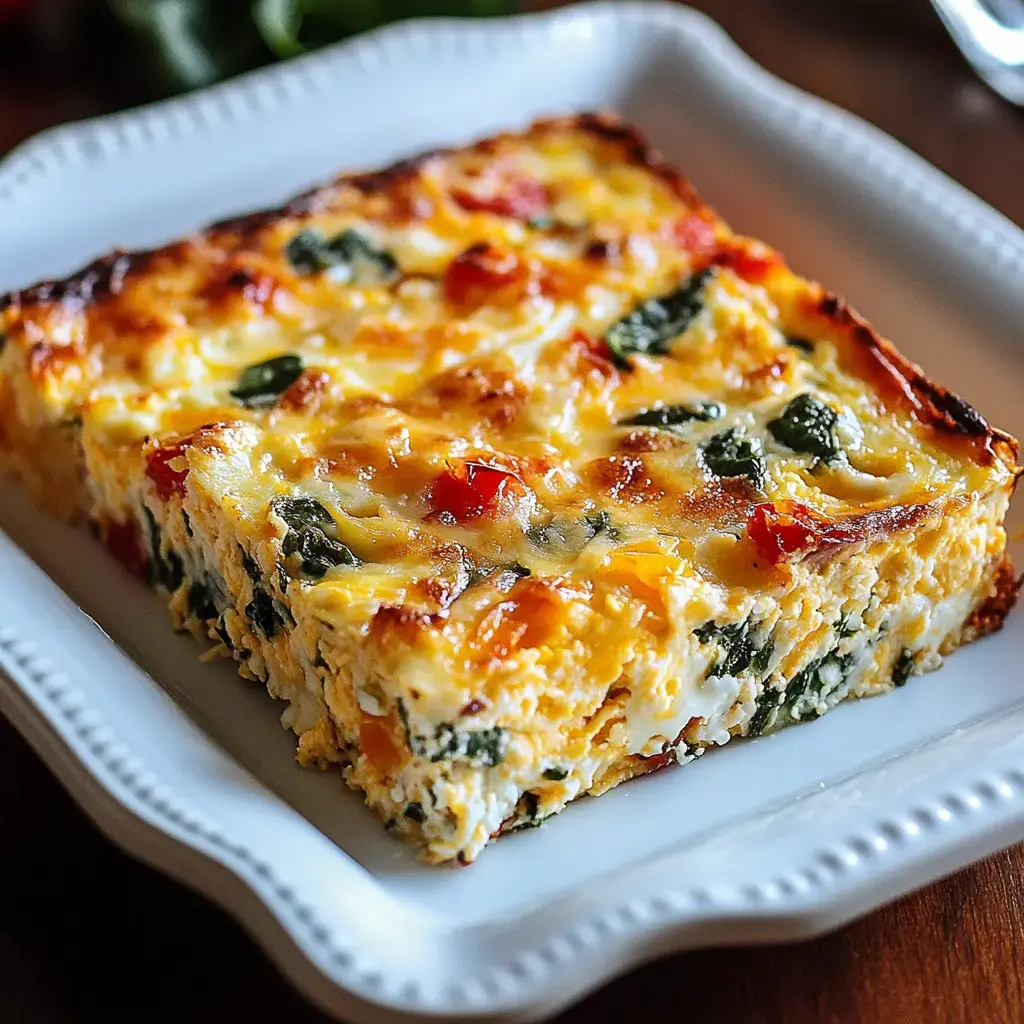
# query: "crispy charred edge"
{"type": "Point", "coordinates": [634, 147]}
{"type": "Point", "coordinates": [989, 616]}
{"type": "Point", "coordinates": [102, 278]}
{"type": "Point", "coordinates": [105, 277]}
{"type": "Point", "coordinates": [247, 224]}
{"type": "Point", "coordinates": [930, 403]}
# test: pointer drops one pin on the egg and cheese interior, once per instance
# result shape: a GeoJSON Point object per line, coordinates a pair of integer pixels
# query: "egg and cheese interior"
{"type": "Point", "coordinates": [514, 472]}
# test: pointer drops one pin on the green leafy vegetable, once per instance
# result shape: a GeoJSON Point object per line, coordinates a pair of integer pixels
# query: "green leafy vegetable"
{"type": "Point", "coordinates": [738, 649]}
{"type": "Point", "coordinates": [291, 26]}
{"type": "Point", "coordinates": [808, 425]}
{"type": "Point", "coordinates": [301, 512]}
{"type": "Point", "coordinates": [527, 814]}
{"type": "Point", "coordinates": [162, 568]}
{"type": "Point", "coordinates": [262, 613]}
{"type": "Point", "coordinates": [732, 454]}
{"type": "Point", "coordinates": [572, 535]}
{"type": "Point", "coordinates": [805, 346]}
{"type": "Point", "coordinates": [504, 575]}
{"type": "Point", "coordinates": [542, 222]}
{"type": "Point", "coordinates": [762, 659]}
{"type": "Point", "coordinates": [555, 774]}
{"type": "Point", "coordinates": [597, 522]}
{"type": "Point", "coordinates": [260, 386]}
{"type": "Point", "coordinates": [548, 535]}
{"type": "Point", "coordinates": [801, 696]}
{"type": "Point", "coordinates": [671, 417]}
{"type": "Point", "coordinates": [309, 252]}
{"type": "Point", "coordinates": [201, 600]}
{"type": "Point", "coordinates": [266, 614]}
{"type": "Point", "coordinates": [904, 667]}
{"type": "Point", "coordinates": [483, 747]}
{"type": "Point", "coordinates": [650, 327]}
{"type": "Point", "coordinates": [415, 812]}
{"type": "Point", "coordinates": [309, 536]}
{"type": "Point", "coordinates": [225, 637]}
{"type": "Point", "coordinates": [191, 43]}
{"type": "Point", "coordinates": [849, 625]}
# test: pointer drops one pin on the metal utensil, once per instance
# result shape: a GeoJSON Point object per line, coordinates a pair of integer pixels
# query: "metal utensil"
{"type": "Point", "coordinates": [991, 37]}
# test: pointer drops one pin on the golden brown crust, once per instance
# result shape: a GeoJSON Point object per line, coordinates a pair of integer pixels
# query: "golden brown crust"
{"type": "Point", "coordinates": [877, 360]}
{"type": "Point", "coordinates": [105, 277]}
{"type": "Point", "coordinates": [989, 617]}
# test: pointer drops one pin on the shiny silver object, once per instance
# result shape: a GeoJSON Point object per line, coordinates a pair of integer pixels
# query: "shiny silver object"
{"type": "Point", "coordinates": [991, 36]}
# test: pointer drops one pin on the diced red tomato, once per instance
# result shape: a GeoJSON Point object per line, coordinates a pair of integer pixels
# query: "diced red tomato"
{"type": "Point", "coordinates": [786, 531]}
{"type": "Point", "coordinates": [124, 542]}
{"type": "Point", "coordinates": [751, 261]}
{"type": "Point", "coordinates": [513, 195]}
{"type": "Point", "coordinates": [469, 490]}
{"type": "Point", "coordinates": [595, 351]}
{"type": "Point", "coordinates": [694, 234]}
{"type": "Point", "coordinates": [167, 479]}
{"type": "Point", "coordinates": [485, 274]}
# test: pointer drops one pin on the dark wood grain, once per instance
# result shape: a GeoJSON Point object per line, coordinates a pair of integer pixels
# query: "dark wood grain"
{"type": "Point", "coordinates": [88, 934]}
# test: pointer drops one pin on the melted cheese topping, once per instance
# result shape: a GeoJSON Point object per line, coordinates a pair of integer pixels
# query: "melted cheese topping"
{"type": "Point", "coordinates": [544, 491]}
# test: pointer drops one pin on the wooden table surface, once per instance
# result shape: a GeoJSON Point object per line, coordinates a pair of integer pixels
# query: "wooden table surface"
{"type": "Point", "coordinates": [87, 934]}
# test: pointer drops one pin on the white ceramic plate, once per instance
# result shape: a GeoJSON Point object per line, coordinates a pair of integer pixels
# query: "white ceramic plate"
{"type": "Point", "coordinates": [186, 766]}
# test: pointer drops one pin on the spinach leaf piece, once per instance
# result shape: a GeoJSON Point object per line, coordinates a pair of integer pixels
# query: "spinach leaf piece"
{"type": "Point", "coordinates": [808, 425]}
{"type": "Point", "coordinates": [849, 625]}
{"type": "Point", "coordinates": [737, 648]}
{"type": "Point", "coordinates": [801, 344]}
{"type": "Point", "coordinates": [415, 812]}
{"type": "Point", "coordinates": [260, 385]}
{"type": "Point", "coordinates": [163, 569]}
{"type": "Point", "coordinates": [505, 575]}
{"type": "Point", "coordinates": [301, 512]}
{"type": "Point", "coordinates": [572, 535]}
{"type": "Point", "coordinates": [317, 551]}
{"type": "Point", "coordinates": [201, 602]}
{"type": "Point", "coordinates": [266, 614]}
{"type": "Point", "coordinates": [542, 222]}
{"type": "Point", "coordinates": [762, 659]}
{"type": "Point", "coordinates": [527, 814]}
{"type": "Point", "coordinates": [555, 774]}
{"type": "Point", "coordinates": [670, 417]}
{"type": "Point", "coordinates": [904, 667]}
{"type": "Point", "coordinates": [732, 454]}
{"type": "Point", "coordinates": [483, 747]}
{"type": "Point", "coordinates": [309, 252]}
{"type": "Point", "coordinates": [597, 522]}
{"type": "Point", "coordinates": [310, 526]}
{"type": "Point", "coordinates": [778, 708]}
{"type": "Point", "coordinates": [262, 612]}
{"type": "Point", "coordinates": [650, 327]}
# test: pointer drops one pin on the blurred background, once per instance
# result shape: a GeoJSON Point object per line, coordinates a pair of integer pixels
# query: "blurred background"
{"type": "Point", "coordinates": [65, 59]}
{"type": "Point", "coordinates": [890, 61]}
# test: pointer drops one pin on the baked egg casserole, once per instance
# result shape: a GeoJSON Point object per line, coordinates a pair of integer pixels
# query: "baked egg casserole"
{"type": "Point", "coordinates": [513, 472]}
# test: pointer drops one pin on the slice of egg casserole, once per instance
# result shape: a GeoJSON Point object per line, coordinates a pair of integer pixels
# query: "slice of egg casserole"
{"type": "Point", "coordinates": [513, 472]}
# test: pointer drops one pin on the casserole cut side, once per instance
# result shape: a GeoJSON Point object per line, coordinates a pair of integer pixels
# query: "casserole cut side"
{"type": "Point", "coordinates": [513, 472]}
